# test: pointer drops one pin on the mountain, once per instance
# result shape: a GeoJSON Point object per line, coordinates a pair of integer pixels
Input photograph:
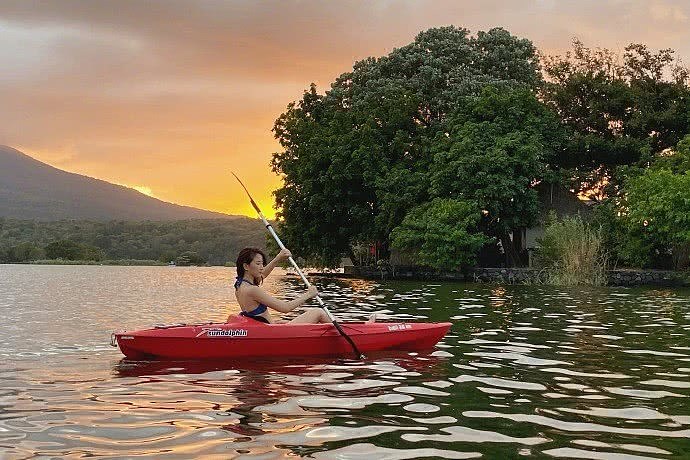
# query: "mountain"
{"type": "Point", "coordinates": [30, 189]}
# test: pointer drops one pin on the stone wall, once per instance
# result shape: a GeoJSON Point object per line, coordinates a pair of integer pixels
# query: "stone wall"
{"type": "Point", "coordinates": [401, 272]}
{"type": "Point", "coordinates": [648, 277]}
{"type": "Point", "coordinates": [515, 275]}
{"type": "Point", "coordinates": [615, 277]}
{"type": "Point", "coordinates": [505, 275]}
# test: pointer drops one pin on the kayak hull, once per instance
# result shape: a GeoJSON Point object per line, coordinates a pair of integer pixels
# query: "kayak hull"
{"type": "Point", "coordinates": [242, 337]}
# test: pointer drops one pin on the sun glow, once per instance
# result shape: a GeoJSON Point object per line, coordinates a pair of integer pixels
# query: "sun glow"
{"type": "Point", "coordinates": [265, 205]}
{"type": "Point", "coordinates": [144, 190]}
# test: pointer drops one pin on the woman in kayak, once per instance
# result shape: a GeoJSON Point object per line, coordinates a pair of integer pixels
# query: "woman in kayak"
{"type": "Point", "coordinates": [255, 302]}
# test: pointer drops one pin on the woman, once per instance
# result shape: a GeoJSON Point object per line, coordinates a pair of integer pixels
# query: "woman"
{"type": "Point", "coordinates": [254, 301]}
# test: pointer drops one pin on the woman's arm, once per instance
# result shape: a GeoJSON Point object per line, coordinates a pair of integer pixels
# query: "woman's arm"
{"type": "Point", "coordinates": [261, 296]}
{"type": "Point", "coordinates": [282, 255]}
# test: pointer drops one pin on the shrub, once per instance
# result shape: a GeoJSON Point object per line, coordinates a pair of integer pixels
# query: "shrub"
{"type": "Point", "coordinates": [441, 233]}
{"type": "Point", "coordinates": [656, 206]}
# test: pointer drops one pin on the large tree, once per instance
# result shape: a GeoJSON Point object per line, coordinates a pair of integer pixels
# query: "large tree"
{"type": "Point", "coordinates": [357, 158]}
{"type": "Point", "coordinates": [497, 147]}
{"type": "Point", "coordinates": [620, 110]}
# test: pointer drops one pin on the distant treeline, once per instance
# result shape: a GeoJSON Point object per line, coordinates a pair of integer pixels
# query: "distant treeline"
{"type": "Point", "coordinates": [213, 242]}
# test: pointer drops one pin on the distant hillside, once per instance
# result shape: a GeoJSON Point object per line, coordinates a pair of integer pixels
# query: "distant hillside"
{"type": "Point", "coordinates": [30, 189]}
{"type": "Point", "coordinates": [213, 241]}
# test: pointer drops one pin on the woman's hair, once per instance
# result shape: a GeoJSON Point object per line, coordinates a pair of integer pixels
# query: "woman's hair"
{"type": "Point", "coordinates": [246, 256]}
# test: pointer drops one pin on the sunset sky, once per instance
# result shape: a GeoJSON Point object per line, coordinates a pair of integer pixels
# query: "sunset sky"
{"type": "Point", "coordinates": [169, 96]}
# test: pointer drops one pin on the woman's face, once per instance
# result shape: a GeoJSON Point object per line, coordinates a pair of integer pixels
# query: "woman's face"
{"type": "Point", "coordinates": [255, 267]}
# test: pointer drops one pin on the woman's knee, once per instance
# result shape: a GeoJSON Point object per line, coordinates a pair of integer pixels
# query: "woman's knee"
{"type": "Point", "coordinates": [314, 315]}
{"type": "Point", "coordinates": [317, 314]}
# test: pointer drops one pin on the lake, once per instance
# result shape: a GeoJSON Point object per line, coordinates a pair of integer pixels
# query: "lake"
{"type": "Point", "coordinates": [526, 371]}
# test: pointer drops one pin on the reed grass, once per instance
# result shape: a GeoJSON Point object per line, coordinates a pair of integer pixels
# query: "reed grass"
{"type": "Point", "coordinates": [572, 252]}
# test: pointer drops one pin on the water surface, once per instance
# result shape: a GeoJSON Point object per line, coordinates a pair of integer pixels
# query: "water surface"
{"type": "Point", "coordinates": [526, 371]}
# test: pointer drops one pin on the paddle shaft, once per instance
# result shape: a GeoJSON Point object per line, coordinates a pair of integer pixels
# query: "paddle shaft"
{"type": "Point", "coordinates": [273, 233]}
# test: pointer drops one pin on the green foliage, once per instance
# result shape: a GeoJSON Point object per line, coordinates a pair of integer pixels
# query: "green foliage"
{"type": "Point", "coordinates": [214, 241]}
{"type": "Point", "coordinates": [655, 211]}
{"type": "Point", "coordinates": [573, 253]}
{"type": "Point", "coordinates": [470, 118]}
{"type": "Point", "coordinates": [189, 258]}
{"type": "Point", "coordinates": [23, 252]}
{"type": "Point", "coordinates": [676, 160]}
{"type": "Point", "coordinates": [495, 148]}
{"type": "Point", "coordinates": [70, 250]}
{"type": "Point", "coordinates": [618, 113]}
{"type": "Point", "coordinates": [441, 233]}
{"type": "Point", "coordinates": [659, 192]}
{"type": "Point", "coordinates": [355, 159]}
{"type": "Point", "coordinates": [625, 246]}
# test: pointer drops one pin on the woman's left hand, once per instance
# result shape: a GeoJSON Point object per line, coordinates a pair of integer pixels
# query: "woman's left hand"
{"type": "Point", "coordinates": [284, 254]}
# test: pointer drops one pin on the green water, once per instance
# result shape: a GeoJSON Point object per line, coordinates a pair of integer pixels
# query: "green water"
{"type": "Point", "coordinates": [526, 371]}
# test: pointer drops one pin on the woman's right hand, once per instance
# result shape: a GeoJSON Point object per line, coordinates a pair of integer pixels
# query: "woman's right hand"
{"type": "Point", "coordinates": [312, 292]}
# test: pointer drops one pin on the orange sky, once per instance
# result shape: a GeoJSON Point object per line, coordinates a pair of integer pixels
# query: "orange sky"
{"type": "Point", "coordinates": [169, 96]}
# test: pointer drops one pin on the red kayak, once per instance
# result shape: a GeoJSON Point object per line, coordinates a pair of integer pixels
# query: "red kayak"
{"type": "Point", "coordinates": [242, 337]}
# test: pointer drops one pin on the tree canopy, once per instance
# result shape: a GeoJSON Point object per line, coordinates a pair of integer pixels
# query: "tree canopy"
{"type": "Point", "coordinates": [655, 216]}
{"type": "Point", "coordinates": [648, 222]}
{"type": "Point", "coordinates": [497, 145]}
{"type": "Point", "coordinates": [619, 110]}
{"type": "Point", "coordinates": [356, 158]}
{"type": "Point", "coordinates": [480, 119]}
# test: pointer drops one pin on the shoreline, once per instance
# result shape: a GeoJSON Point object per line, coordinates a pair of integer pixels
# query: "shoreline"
{"type": "Point", "coordinates": [526, 276]}
{"type": "Point", "coordinates": [114, 262]}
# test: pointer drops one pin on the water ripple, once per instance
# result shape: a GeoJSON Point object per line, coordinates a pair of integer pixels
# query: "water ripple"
{"type": "Point", "coordinates": [598, 373]}
{"type": "Point", "coordinates": [578, 426]}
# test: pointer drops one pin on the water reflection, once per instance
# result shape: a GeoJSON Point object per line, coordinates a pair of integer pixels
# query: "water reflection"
{"type": "Point", "coordinates": [525, 371]}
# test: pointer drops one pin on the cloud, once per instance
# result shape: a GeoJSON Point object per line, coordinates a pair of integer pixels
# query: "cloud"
{"type": "Point", "coordinates": [168, 93]}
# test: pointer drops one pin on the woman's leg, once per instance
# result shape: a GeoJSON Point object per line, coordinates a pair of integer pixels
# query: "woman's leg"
{"type": "Point", "coordinates": [311, 316]}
